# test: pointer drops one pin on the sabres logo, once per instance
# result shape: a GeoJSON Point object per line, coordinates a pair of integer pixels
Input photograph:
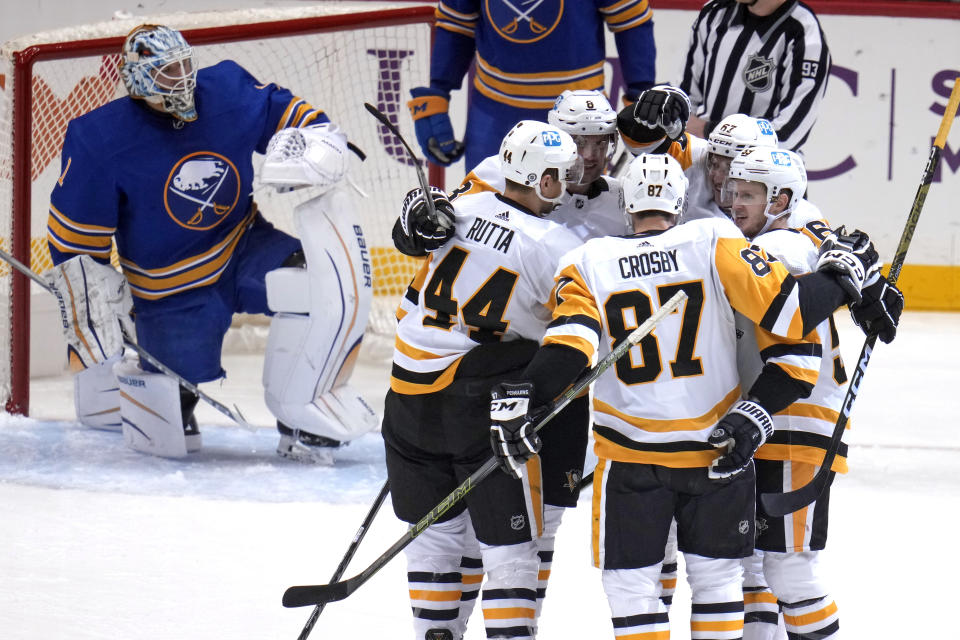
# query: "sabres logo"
{"type": "Point", "coordinates": [201, 190]}
{"type": "Point", "coordinates": [524, 21]}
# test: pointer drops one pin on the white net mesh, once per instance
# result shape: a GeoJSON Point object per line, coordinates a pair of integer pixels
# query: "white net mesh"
{"type": "Point", "coordinates": [335, 70]}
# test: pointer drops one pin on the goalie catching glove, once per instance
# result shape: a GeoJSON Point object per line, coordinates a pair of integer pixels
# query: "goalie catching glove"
{"type": "Point", "coordinates": [513, 433]}
{"type": "Point", "coordinates": [417, 231]}
{"type": "Point", "coordinates": [313, 156]}
{"type": "Point", "coordinates": [742, 431]}
{"type": "Point", "coordinates": [432, 125]}
{"type": "Point", "coordinates": [95, 306]}
{"type": "Point", "coordinates": [853, 258]}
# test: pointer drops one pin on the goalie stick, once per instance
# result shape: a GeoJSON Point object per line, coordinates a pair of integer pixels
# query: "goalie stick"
{"type": "Point", "coordinates": [780, 504]}
{"type": "Point", "coordinates": [348, 556]}
{"type": "Point", "coordinates": [424, 185]}
{"type": "Point", "coordinates": [234, 414]}
{"type": "Point", "coordinates": [302, 596]}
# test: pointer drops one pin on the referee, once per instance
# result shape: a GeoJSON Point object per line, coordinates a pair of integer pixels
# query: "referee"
{"type": "Point", "coordinates": [764, 58]}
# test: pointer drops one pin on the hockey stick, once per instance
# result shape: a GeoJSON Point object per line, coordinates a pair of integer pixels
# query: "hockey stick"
{"type": "Point", "coordinates": [234, 414]}
{"type": "Point", "coordinates": [348, 556]}
{"type": "Point", "coordinates": [424, 185]}
{"type": "Point", "coordinates": [302, 596]}
{"type": "Point", "coordinates": [780, 504]}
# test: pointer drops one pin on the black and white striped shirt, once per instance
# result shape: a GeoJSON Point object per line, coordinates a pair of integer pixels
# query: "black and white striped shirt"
{"type": "Point", "coordinates": [774, 67]}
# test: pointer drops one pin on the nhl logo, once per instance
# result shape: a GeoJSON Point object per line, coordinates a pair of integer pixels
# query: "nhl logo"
{"type": "Point", "coordinates": [517, 522]}
{"type": "Point", "coordinates": [744, 527]}
{"type": "Point", "coordinates": [758, 74]}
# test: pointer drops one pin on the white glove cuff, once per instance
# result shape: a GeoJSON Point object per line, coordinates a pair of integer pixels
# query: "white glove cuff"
{"type": "Point", "coordinates": [758, 416]}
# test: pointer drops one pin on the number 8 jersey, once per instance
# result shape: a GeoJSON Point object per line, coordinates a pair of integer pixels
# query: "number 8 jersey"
{"type": "Point", "coordinates": [491, 282]}
{"type": "Point", "coordinates": [659, 403]}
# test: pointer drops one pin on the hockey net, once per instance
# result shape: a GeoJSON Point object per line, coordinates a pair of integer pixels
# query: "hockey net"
{"type": "Point", "coordinates": [337, 56]}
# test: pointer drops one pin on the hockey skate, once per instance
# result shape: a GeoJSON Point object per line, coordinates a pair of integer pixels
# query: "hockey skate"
{"type": "Point", "coordinates": [191, 434]}
{"type": "Point", "coordinates": [305, 447]}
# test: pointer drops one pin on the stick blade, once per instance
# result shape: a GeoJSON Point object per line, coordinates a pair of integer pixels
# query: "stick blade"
{"type": "Point", "coordinates": [316, 594]}
{"type": "Point", "coordinates": [780, 504]}
{"type": "Point", "coordinates": [373, 110]}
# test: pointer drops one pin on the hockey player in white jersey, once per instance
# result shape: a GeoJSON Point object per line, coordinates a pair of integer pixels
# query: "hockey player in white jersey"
{"type": "Point", "coordinates": [473, 315]}
{"type": "Point", "coordinates": [591, 207]}
{"type": "Point", "coordinates": [656, 123]}
{"type": "Point", "coordinates": [765, 186]}
{"type": "Point", "coordinates": [662, 412]}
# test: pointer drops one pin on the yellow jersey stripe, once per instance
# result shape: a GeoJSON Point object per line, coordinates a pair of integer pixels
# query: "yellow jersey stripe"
{"type": "Point", "coordinates": [708, 419]}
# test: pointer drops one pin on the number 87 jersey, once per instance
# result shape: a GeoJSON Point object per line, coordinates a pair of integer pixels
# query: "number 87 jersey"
{"type": "Point", "coordinates": [492, 281]}
{"type": "Point", "coordinates": [660, 402]}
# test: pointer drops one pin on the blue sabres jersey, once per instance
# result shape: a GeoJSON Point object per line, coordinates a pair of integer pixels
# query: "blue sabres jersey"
{"type": "Point", "coordinates": [529, 51]}
{"type": "Point", "coordinates": [176, 196]}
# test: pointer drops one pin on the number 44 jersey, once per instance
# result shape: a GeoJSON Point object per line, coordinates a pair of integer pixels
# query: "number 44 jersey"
{"type": "Point", "coordinates": [491, 282]}
{"type": "Point", "coordinates": [660, 402]}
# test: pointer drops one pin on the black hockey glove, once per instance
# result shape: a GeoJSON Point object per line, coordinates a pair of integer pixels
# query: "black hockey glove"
{"type": "Point", "coordinates": [417, 225]}
{"type": "Point", "coordinates": [853, 258]}
{"type": "Point", "coordinates": [512, 434]}
{"type": "Point", "coordinates": [742, 431]}
{"type": "Point", "coordinates": [663, 107]}
{"type": "Point", "coordinates": [879, 310]}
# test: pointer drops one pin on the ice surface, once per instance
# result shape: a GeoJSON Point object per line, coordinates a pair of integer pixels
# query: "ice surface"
{"type": "Point", "coordinates": [98, 542]}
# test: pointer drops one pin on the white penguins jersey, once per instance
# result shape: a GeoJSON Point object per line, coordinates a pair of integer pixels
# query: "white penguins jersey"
{"type": "Point", "coordinates": [490, 282]}
{"type": "Point", "coordinates": [597, 213]}
{"type": "Point", "coordinates": [692, 156]}
{"type": "Point", "coordinates": [659, 404]}
{"type": "Point", "coordinates": [803, 429]}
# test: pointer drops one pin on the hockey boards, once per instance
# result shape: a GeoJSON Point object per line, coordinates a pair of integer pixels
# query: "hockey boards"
{"type": "Point", "coordinates": [780, 504]}
{"type": "Point", "coordinates": [321, 594]}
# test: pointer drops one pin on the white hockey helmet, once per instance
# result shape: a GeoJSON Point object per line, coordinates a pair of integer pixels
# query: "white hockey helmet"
{"type": "Point", "coordinates": [157, 66]}
{"type": "Point", "coordinates": [583, 112]}
{"type": "Point", "coordinates": [777, 170]}
{"type": "Point", "coordinates": [737, 131]}
{"type": "Point", "coordinates": [314, 156]}
{"type": "Point", "coordinates": [655, 182]}
{"type": "Point", "coordinates": [532, 147]}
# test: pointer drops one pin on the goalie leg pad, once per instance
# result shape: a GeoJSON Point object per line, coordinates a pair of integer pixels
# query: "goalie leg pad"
{"type": "Point", "coordinates": [150, 411]}
{"type": "Point", "coordinates": [321, 314]}
{"type": "Point", "coordinates": [96, 396]}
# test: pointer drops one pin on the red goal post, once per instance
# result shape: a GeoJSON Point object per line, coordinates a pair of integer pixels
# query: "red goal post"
{"type": "Point", "coordinates": [336, 56]}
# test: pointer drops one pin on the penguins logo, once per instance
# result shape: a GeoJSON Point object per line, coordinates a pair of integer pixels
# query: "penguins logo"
{"type": "Point", "coordinates": [201, 190]}
{"type": "Point", "coordinates": [520, 21]}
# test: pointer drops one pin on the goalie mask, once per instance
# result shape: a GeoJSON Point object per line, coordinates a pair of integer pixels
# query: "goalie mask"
{"type": "Point", "coordinates": [531, 147]}
{"type": "Point", "coordinates": [157, 67]}
{"type": "Point", "coordinates": [778, 170]}
{"type": "Point", "coordinates": [314, 156]}
{"type": "Point", "coordinates": [655, 182]}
